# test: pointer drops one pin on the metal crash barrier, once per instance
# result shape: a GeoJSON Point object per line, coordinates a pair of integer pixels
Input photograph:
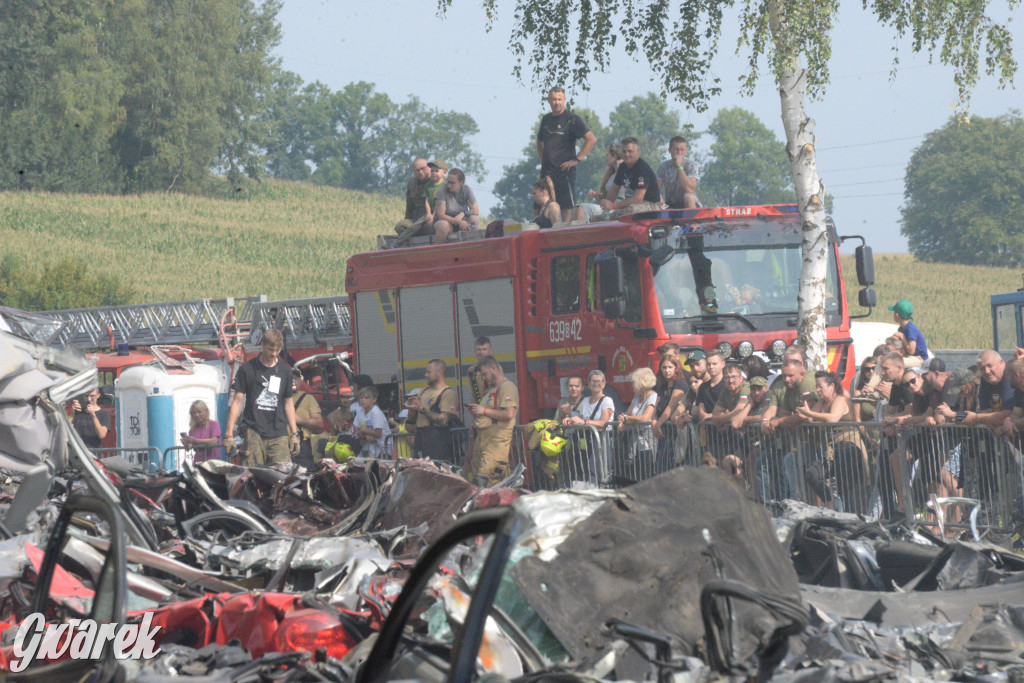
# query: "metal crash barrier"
{"type": "Point", "coordinates": [946, 476]}
{"type": "Point", "coordinates": [148, 458]}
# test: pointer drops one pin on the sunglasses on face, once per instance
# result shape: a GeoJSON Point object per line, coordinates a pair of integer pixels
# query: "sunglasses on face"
{"type": "Point", "coordinates": [913, 382]}
{"type": "Point", "coordinates": [867, 368]}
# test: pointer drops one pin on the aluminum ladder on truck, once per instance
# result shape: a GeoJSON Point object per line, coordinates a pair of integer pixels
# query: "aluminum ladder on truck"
{"type": "Point", "coordinates": [305, 323]}
{"type": "Point", "coordinates": [181, 322]}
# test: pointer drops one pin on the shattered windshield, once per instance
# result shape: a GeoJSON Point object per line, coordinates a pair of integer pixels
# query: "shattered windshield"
{"type": "Point", "coordinates": [745, 269]}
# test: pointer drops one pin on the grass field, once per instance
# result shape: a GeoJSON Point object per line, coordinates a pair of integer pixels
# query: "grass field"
{"type": "Point", "coordinates": [951, 302]}
{"type": "Point", "coordinates": [291, 240]}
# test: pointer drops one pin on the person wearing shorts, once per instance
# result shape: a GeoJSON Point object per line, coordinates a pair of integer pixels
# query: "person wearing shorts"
{"type": "Point", "coordinates": [556, 147]}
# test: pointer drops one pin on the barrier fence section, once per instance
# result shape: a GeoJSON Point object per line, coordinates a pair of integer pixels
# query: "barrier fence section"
{"type": "Point", "coordinates": [148, 457]}
{"type": "Point", "coordinates": [944, 476]}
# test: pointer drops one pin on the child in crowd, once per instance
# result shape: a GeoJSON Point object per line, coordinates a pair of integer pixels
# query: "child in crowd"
{"type": "Point", "coordinates": [915, 349]}
{"type": "Point", "coordinates": [370, 424]}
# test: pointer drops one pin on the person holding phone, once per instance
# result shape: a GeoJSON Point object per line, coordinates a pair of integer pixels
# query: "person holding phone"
{"type": "Point", "coordinates": [90, 421]}
{"type": "Point", "coordinates": [797, 388]}
{"type": "Point", "coordinates": [204, 435]}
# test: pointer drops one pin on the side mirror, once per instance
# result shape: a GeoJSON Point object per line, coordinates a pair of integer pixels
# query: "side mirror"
{"type": "Point", "coordinates": [867, 298]}
{"type": "Point", "coordinates": [865, 259]}
{"type": "Point", "coordinates": [662, 255]}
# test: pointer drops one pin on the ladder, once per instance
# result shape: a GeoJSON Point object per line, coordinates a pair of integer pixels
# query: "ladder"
{"type": "Point", "coordinates": [180, 322]}
{"type": "Point", "coordinates": [306, 323]}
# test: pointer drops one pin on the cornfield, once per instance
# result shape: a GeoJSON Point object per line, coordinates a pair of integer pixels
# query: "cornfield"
{"type": "Point", "coordinates": [951, 302]}
{"type": "Point", "coordinates": [290, 241]}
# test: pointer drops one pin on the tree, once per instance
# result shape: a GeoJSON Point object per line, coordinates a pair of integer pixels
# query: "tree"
{"type": "Point", "coordinates": [746, 165]}
{"type": "Point", "coordinates": [564, 42]}
{"type": "Point", "coordinates": [648, 119]}
{"type": "Point", "coordinates": [964, 193]}
{"type": "Point", "coordinates": [359, 138]}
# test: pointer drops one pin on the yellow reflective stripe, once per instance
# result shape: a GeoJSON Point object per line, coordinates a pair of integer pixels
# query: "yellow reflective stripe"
{"type": "Point", "coordinates": [569, 351]}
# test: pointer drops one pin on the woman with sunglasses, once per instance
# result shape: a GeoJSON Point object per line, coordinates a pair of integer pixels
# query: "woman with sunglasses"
{"type": "Point", "coordinates": [838, 467]}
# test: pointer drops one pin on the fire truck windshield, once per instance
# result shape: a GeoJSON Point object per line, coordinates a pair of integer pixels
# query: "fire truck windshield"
{"type": "Point", "coordinates": [747, 274]}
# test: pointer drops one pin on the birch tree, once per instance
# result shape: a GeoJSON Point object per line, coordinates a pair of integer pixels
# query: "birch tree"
{"type": "Point", "coordinates": [564, 41]}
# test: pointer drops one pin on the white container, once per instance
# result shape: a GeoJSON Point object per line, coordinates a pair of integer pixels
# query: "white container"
{"type": "Point", "coordinates": [152, 409]}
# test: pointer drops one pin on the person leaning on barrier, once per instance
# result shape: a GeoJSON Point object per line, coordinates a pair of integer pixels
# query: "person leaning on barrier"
{"type": "Point", "coordinates": [837, 466]}
{"type": "Point", "coordinates": [730, 410]}
{"type": "Point", "coordinates": [570, 406]}
{"type": "Point", "coordinates": [670, 389]}
{"type": "Point", "coordinates": [686, 409]}
{"type": "Point", "coordinates": [796, 387]}
{"type": "Point", "coordinates": [634, 455]}
{"type": "Point", "coordinates": [494, 420]}
{"type": "Point", "coordinates": [431, 412]}
{"type": "Point", "coordinates": [711, 388]}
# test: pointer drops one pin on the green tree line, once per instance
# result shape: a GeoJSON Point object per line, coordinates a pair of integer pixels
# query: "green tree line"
{"type": "Point", "coordinates": [133, 95]}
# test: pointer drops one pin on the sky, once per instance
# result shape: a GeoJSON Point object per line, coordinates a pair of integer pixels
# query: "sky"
{"type": "Point", "coordinates": [867, 123]}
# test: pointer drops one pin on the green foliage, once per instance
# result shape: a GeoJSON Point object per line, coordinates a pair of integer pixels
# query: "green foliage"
{"type": "Point", "coordinates": [964, 192]}
{"type": "Point", "coordinates": [648, 119]}
{"type": "Point", "coordinates": [58, 284]}
{"type": "Point", "coordinates": [746, 163]}
{"type": "Point", "coordinates": [561, 42]}
{"type": "Point", "coordinates": [132, 95]}
{"type": "Point", "coordinates": [358, 138]}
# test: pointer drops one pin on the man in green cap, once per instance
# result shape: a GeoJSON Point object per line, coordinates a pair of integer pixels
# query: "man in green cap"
{"type": "Point", "coordinates": [915, 349]}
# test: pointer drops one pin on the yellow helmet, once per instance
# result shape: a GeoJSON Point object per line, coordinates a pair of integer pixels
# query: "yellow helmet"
{"type": "Point", "coordinates": [551, 444]}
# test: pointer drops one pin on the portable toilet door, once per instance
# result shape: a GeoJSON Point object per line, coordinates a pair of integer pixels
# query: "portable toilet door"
{"type": "Point", "coordinates": [153, 409]}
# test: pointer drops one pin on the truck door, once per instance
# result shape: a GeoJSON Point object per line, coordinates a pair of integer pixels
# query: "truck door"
{"type": "Point", "coordinates": [377, 335]}
{"type": "Point", "coordinates": [428, 331]}
{"type": "Point", "coordinates": [486, 308]}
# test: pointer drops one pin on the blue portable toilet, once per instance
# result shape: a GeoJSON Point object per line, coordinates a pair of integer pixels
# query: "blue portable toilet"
{"type": "Point", "coordinates": [153, 408]}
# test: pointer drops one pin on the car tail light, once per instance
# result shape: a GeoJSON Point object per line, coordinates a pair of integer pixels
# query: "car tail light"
{"type": "Point", "coordinates": [308, 630]}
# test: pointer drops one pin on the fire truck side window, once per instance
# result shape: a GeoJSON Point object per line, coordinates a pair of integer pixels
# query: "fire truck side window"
{"type": "Point", "coordinates": [631, 277]}
{"type": "Point", "coordinates": [593, 300]}
{"type": "Point", "coordinates": [565, 285]}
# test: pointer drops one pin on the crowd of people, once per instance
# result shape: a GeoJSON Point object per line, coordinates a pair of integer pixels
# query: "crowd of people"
{"type": "Point", "coordinates": [438, 202]}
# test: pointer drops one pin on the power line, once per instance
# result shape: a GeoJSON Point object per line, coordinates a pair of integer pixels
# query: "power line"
{"type": "Point", "coordinates": [883, 194]}
{"type": "Point", "coordinates": [861, 168]}
{"type": "Point", "coordinates": [868, 144]}
{"type": "Point", "coordinates": [865, 182]}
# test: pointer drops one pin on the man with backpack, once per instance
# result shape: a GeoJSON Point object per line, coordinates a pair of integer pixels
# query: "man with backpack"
{"type": "Point", "coordinates": [433, 412]}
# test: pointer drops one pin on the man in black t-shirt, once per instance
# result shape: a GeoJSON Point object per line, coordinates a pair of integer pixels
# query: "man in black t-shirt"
{"type": "Point", "coordinates": [90, 421]}
{"type": "Point", "coordinates": [639, 181]}
{"type": "Point", "coordinates": [264, 386]}
{"type": "Point", "coordinates": [556, 147]}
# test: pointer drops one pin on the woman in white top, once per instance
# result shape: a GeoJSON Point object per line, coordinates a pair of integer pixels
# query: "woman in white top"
{"type": "Point", "coordinates": [635, 453]}
{"type": "Point", "coordinates": [595, 411]}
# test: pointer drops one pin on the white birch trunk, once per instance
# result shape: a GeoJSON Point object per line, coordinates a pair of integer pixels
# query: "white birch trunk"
{"type": "Point", "coordinates": [810, 196]}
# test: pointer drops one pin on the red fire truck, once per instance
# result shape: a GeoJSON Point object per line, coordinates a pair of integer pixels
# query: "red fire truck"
{"type": "Point", "coordinates": [567, 300]}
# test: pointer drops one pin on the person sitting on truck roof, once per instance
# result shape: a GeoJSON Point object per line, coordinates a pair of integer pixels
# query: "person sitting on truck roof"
{"type": "Point", "coordinates": [438, 177]}
{"type": "Point", "coordinates": [678, 176]}
{"type": "Point", "coordinates": [416, 209]}
{"type": "Point", "coordinates": [456, 207]}
{"type": "Point", "coordinates": [637, 178]}
{"type": "Point", "coordinates": [545, 208]}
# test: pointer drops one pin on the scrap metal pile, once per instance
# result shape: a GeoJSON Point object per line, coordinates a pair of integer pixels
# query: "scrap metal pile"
{"type": "Point", "coordinates": [377, 570]}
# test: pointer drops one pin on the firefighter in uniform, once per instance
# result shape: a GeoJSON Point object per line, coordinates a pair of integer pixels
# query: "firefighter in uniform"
{"type": "Point", "coordinates": [494, 419]}
{"type": "Point", "coordinates": [481, 349]}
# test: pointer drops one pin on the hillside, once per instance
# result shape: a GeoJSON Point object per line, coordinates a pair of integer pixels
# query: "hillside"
{"type": "Point", "coordinates": [291, 240]}
{"type": "Point", "coordinates": [951, 302]}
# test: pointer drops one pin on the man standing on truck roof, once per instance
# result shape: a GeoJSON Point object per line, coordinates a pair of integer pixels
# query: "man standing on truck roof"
{"type": "Point", "coordinates": [264, 386]}
{"type": "Point", "coordinates": [494, 420]}
{"type": "Point", "coordinates": [556, 147]}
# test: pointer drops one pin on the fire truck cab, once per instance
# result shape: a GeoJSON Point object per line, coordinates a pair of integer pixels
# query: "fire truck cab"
{"type": "Point", "coordinates": [567, 300]}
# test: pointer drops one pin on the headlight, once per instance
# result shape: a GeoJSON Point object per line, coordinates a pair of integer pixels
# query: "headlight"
{"type": "Point", "coordinates": [745, 349]}
{"type": "Point", "coordinates": [725, 348]}
{"type": "Point", "coordinates": [777, 348]}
